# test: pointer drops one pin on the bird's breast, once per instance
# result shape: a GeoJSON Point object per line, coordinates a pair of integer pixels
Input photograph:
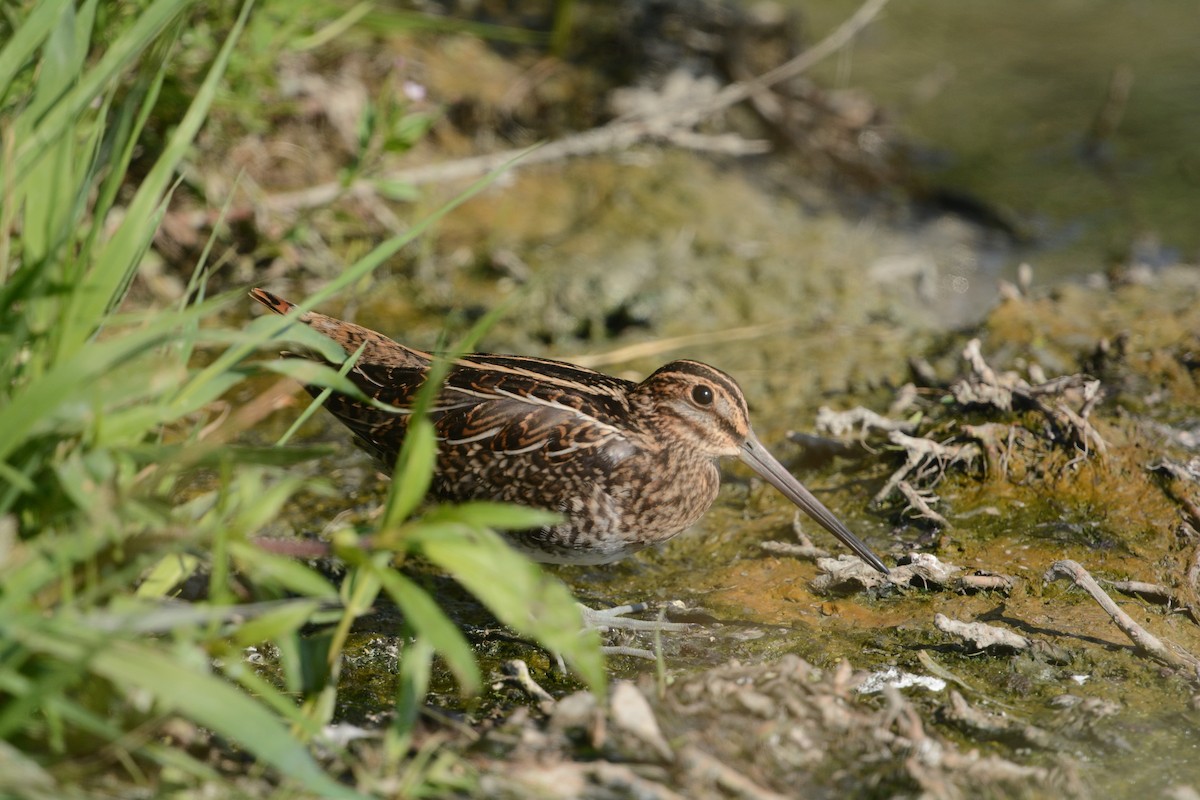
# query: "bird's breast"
{"type": "Point", "coordinates": [615, 497]}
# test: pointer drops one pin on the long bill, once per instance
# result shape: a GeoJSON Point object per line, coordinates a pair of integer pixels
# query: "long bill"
{"type": "Point", "coordinates": [768, 467]}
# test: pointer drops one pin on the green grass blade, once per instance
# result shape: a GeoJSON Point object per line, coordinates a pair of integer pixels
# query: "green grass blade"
{"type": "Point", "coordinates": [287, 573]}
{"type": "Point", "coordinates": [211, 455]}
{"type": "Point", "coordinates": [185, 686]}
{"type": "Point", "coordinates": [28, 38]}
{"type": "Point", "coordinates": [279, 622]}
{"type": "Point", "coordinates": [418, 452]}
{"type": "Point", "coordinates": [117, 258]}
{"type": "Point", "coordinates": [319, 401]}
{"type": "Point", "coordinates": [39, 400]}
{"type": "Point", "coordinates": [49, 191]}
{"type": "Point", "coordinates": [168, 573]}
{"type": "Point", "coordinates": [355, 272]}
{"type": "Point", "coordinates": [500, 516]}
{"type": "Point", "coordinates": [60, 120]}
{"type": "Point", "coordinates": [414, 471]}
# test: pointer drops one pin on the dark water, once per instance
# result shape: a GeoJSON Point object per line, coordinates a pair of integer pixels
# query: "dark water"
{"type": "Point", "coordinates": [1078, 121]}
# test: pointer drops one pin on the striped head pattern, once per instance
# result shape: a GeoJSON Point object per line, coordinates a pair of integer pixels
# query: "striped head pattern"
{"type": "Point", "coordinates": [703, 407]}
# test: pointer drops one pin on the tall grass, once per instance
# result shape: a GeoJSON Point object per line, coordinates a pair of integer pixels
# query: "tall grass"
{"type": "Point", "coordinates": [104, 415]}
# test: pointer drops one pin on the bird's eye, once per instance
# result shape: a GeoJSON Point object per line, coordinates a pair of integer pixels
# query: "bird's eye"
{"type": "Point", "coordinates": [702, 395]}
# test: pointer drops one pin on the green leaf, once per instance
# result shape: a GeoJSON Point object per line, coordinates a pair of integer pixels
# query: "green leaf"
{"type": "Point", "coordinates": [497, 516]}
{"type": "Point", "coordinates": [135, 615]}
{"type": "Point", "coordinates": [429, 621]}
{"type": "Point", "coordinates": [352, 275]}
{"type": "Point", "coordinates": [284, 329]}
{"type": "Point", "coordinates": [269, 568]}
{"type": "Point", "coordinates": [167, 574]}
{"type": "Point", "coordinates": [16, 479]}
{"type": "Point", "coordinates": [29, 36]}
{"type": "Point", "coordinates": [516, 590]}
{"type": "Point", "coordinates": [306, 665]}
{"type": "Point", "coordinates": [416, 667]}
{"type": "Point", "coordinates": [399, 191]}
{"type": "Point", "coordinates": [61, 119]}
{"type": "Point", "coordinates": [48, 205]}
{"type": "Point", "coordinates": [119, 256]}
{"type": "Point", "coordinates": [311, 373]}
{"type": "Point", "coordinates": [262, 504]}
{"type": "Point", "coordinates": [203, 456]}
{"type": "Point", "coordinates": [38, 401]}
{"type": "Point", "coordinates": [276, 624]}
{"type": "Point", "coordinates": [414, 472]}
{"type": "Point", "coordinates": [410, 129]}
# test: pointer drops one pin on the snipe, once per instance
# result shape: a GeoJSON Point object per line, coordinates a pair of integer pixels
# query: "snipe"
{"type": "Point", "coordinates": [628, 465]}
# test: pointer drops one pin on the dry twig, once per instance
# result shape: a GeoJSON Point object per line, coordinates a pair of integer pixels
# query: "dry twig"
{"type": "Point", "coordinates": [986, 583]}
{"type": "Point", "coordinates": [804, 552]}
{"type": "Point", "coordinates": [918, 504]}
{"type": "Point", "coordinates": [1154, 592]}
{"type": "Point", "coordinates": [1142, 639]}
{"type": "Point", "coordinates": [859, 420]}
{"type": "Point", "coordinates": [803, 549]}
{"type": "Point", "coordinates": [980, 635]}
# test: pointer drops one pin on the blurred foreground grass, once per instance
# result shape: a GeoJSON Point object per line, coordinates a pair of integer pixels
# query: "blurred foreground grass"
{"type": "Point", "coordinates": [105, 414]}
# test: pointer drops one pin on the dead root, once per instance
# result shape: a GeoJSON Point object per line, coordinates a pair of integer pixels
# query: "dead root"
{"type": "Point", "coordinates": [981, 636]}
{"type": "Point", "coordinates": [925, 461]}
{"type": "Point", "coordinates": [927, 572]}
{"type": "Point", "coordinates": [859, 421]}
{"type": "Point", "coordinates": [1180, 486]}
{"type": "Point", "coordinates": [1063, 403]}
{"type": "Point", "coordinates": [983, 386]}
{"type": "Point", "coordinates": [919, 504]}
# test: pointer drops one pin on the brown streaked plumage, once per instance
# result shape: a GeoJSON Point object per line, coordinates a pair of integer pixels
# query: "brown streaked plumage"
{"type": "Point", "coordinates": [627, 464]}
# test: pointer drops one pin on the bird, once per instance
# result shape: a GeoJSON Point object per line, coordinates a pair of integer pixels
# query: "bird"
{"type": "Point", "coordinates": [626, 465]}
